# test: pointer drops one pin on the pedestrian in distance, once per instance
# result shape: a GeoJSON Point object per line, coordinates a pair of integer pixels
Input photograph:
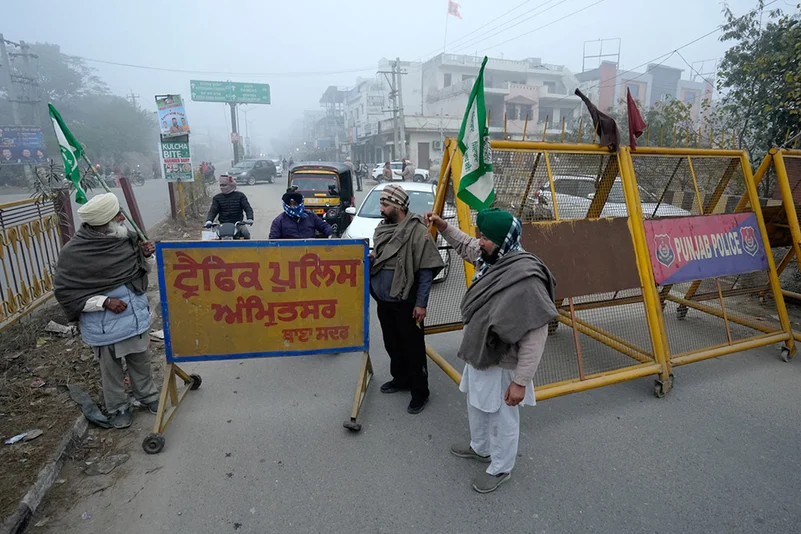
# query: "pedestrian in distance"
{"type": "Point", "coordinates": [386, 173]}
{"type": "Point", "coordinates": [402, 269]}
{"type": "Point", "coordinates": [230, 205]}
{"type": "Point", "coordinates": [407, 174]}
{"type": "Point", "coordinates": [101, 281]}
{"type": "Point", "coordinates": [353, 173]}
{"type": "Point", "coordinates": [297, 222]}
{"type": "Point", "coordinates": [506, 311]}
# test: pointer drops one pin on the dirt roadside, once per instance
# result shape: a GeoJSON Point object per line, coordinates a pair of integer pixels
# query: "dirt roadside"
{"type": "Point", "coordinates": [35, 369]}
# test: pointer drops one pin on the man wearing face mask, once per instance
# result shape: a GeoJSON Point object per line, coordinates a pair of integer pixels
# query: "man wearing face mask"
{"type": "Point", "coordinates": [402, 268]}
{"type": "Point", "coordinates": [297, 222]}
{"type": "Point", "coordinates": [229, 204]}
{"type": "Point", "coordinates": [506, 311]}
{"type": "Point", "coordinates": [101, 281]}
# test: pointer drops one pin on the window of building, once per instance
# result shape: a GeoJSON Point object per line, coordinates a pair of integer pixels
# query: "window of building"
{"type": "Point", "coordinates": [690, 97]}
{"type": "Point", "coordinates": [466, 77]}
{"type": "Point", "coordinates": [447, 82]}
{"type": "Point", "coordinates": [551, 86]}
{"type": "Point", "coordinates": [634, 88]}
{"type": "Point", "coordinates": [545, 112]}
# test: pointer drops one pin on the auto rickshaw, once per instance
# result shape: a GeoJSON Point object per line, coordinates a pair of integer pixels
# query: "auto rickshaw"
{"type": "Point", "coordinates": [327, 190]}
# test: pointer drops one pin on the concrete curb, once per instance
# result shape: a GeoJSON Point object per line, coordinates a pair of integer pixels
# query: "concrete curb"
{"type": "Point", "coordinates": [19, 520]}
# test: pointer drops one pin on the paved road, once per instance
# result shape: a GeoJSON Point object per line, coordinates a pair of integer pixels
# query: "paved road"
{"type": "Point", "coordinates": [260, 449]}
{"type": "Point", "coordinates": [153, 198]}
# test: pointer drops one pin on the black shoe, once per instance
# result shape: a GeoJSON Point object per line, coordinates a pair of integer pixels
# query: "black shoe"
{"type": "Point", "coordinates": [392, 387]}
{"type": "Point", "coordinates": [417, 405]}
{"type": "Point", "coordinates": [122, 419]}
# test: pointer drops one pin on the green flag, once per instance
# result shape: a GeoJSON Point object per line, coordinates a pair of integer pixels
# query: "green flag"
{"type": "Point", "coordinates": [71, 152]}
{"type": "Point", "coordinates": [477, 185]}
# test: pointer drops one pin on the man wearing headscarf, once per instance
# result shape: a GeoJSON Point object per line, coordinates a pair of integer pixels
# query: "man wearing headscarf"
{"type": "Point", "coordinates": [297, 222]}
{"type": "Point", "coordinates": [229, 204]}
{"type": "Point", "coordinates": [506, 311]}
{"type": "Point", "coordinates": [101, 281]}
{"type": "Point", "coordinates": [386, 172]}
{"type": "Point", "coordinates": [403, 265]}
{"type": "Point", "coordinates": [407, 173]}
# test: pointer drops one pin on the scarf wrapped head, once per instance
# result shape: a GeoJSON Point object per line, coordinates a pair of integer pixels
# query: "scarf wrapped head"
{"type": "Point", "coordinates": [100, 210]}
{"type": "Point", "coordinates": [503, 229]}
{"type": "Point", "coordinates": [227, 184]}
{"type": "Point", "coordinates": [299, 210]}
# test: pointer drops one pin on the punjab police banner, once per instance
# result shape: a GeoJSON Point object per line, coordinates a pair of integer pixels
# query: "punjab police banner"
{"type": "Point", "coordinates": [694, 248]}
{"type": "Point", "coordinates": [248, 299]}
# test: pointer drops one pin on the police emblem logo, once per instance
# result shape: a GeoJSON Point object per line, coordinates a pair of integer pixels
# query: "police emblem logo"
{"type": "Point", "coordinates": [750, 244]}
{"type": "Point", "coordinates": [664, 250]}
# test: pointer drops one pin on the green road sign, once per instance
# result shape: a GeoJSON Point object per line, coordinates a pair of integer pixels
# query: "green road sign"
{"type": "Point", "coordinates": [241, 93]}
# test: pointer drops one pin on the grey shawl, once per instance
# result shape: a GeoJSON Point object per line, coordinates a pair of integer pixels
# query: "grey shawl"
{"type": "Point", "coordinates": [93, 263]}
{"type": "Point", "coordinates": [410, 241]}
{"type": "Point", "coordinates": [513, 297]}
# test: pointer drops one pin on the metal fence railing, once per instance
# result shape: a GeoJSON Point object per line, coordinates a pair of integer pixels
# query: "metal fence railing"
{"type": "Point", "coordinates": [30, 240]}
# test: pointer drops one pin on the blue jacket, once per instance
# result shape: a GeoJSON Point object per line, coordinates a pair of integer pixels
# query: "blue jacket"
{"type": "Point", "coordinates": [285, 227]}
{"type": "Point", "coordinates": [105, 327]}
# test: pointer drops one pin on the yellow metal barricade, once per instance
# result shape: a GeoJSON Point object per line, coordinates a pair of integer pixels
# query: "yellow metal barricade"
{"type": "Point", "coordinates": [661, 257]}
{"type": "Point", "coordinates": [29, 245]}
{"type": "Point", "coordinates": [573, 202]}
{"type": "Point", "coordinates": [780, 214]}
{"type": "Point", "coordinates": [709, 316]}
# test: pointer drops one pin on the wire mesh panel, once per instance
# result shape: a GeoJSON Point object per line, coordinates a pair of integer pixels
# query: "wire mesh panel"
{"type": "Point", "coordinates": [574, 210]}
{"type": "Point", "coordinates": [709, 259]}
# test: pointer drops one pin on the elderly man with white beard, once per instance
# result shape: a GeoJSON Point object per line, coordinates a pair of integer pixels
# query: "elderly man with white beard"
{"type": "Point", "coordinates": [101, 281]}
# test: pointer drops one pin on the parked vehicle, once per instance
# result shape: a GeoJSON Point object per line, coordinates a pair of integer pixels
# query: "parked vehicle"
{"type": "Point", "coordinates": [574, 195]}
{"type": "Point", "coordinates": [251, 171]}
{"type": "Point", "coordinates": [420, 175]}
{"type": "Point", "coordinates": [327, 190]}
{"type": "Point", "coordinates": [279, 167]}
{"type": "Point", "coordinates": [421, 201]}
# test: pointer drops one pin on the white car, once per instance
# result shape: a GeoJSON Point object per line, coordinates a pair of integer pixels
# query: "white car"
{"type": "Point", "coordinates": [421, 201]}
{"type": "Point", "coordinates": [574, 195]}
{"type": "Point", "coordinates": [279, 168]}
{"type": "Point", "coordinates": [420, 175]}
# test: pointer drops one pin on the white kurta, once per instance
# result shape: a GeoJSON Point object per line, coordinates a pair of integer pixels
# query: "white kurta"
{"type": "Point", "coordinates": [494, 426]}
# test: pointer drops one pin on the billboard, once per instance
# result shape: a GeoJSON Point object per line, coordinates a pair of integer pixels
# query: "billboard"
{"type": "Point", "coordinates": [684, 249]}
{"type": "Point", "coordinates": [172, 117]}
{"type": "Point", "coordinates": [177, 161]}
{"type": "Point", "coordinates": [21, 145]}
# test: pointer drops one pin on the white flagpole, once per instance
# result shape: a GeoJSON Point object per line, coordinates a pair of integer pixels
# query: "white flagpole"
{"type": "Point", "coordinates": [447, 16]}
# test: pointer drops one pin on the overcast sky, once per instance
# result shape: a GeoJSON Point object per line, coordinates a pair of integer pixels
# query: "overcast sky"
{"type": "Point", "coordinates": [271, 40]}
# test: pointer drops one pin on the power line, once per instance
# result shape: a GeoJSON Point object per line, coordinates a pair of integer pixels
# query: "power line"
{"type": "Point", "coordinates": [473, 34]}
{"type": "Point", "coordinates": [693, 69]}
{"type": "Point", "coordinates": [479, 40]}
{"type": "Point", "coordinates": [544, 25]}
{"type": "Point", "coordinates": [218, 73]}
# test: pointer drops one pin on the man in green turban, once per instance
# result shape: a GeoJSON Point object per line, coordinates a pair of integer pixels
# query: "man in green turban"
{"type": "Point", "coordinates": [506, 311]}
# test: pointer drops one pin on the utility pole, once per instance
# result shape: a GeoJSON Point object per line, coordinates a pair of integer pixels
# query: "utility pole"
{"type": "Point", "coordinates": [400, 110]}
{"type": "Point", "coordinates": [132, 97]}
{"type": "Point", "coordinates": [234, 132]}
{"type": "Point", "coordinates": [5, 64]}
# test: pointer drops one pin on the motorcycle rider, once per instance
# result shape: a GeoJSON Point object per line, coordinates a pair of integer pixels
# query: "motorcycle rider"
{"type": "Point", "coordinates": [229, 204]}
{"type": "Point", "coordinates": [297, 222]}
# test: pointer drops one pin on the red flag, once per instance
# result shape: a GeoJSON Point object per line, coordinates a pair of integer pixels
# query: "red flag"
{"type": "Point", "coordinates": [636, 123]}
{"type": "Point", "coordinates": [453, 9]}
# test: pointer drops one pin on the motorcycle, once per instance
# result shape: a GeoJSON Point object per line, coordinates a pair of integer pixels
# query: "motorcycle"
{"type": "Point", "coordinates": [138, 178]}
{"type": "Point", "coordinates": [223, 232]}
